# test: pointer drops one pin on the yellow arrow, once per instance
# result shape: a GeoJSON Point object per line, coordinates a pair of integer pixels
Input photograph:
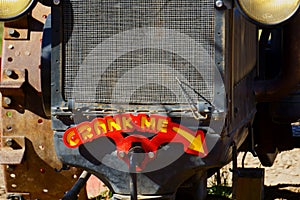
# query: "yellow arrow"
{"type": "Point", "coordinates": [196, 142]}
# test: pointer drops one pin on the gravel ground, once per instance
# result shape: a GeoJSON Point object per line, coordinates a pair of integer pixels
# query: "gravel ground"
{"type": "Point", "coordinates": [282, 180]}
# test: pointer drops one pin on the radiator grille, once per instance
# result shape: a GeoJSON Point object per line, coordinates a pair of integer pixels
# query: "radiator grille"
{"type": "Point", "coordinates": [131, 51]}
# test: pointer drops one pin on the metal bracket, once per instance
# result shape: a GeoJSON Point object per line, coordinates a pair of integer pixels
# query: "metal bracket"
{"type": "Point", "coordinates": [17, 30]}
{"type": "Point", "coordinates": [12, 150]}
{"type": "Point", "coordinates": [224, 4]}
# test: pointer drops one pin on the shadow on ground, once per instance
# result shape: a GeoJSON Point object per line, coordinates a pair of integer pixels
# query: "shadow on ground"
{"type": "Point", "coordinates": [283, 191]}
{"type": "Point", "coordinates": [280, 191]}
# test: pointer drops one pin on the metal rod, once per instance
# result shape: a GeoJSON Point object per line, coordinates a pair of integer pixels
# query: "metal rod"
{"type": "Point", "coordinates": [234, 169]}
{"type": "Point", "coordinates": [218, 177]}
{"type": "Point", "coordinates": [133, 181]}
{"type": "Point", "coordinates": [74, 191]}
{"type": "Point", "coordinates": [243, 160]}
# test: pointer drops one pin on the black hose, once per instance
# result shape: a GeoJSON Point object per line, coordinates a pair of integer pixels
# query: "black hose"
{"type": "Point", "coordinates": [74, 191]}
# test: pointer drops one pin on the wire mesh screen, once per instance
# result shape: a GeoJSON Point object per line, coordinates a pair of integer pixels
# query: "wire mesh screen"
{"type": "Point", "coordinates": [135, 51]}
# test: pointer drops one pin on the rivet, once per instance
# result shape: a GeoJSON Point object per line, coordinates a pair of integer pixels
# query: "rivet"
{"type": "Point", "coordinates": [11, 32]}
{"type": "Point", "coordinates": [122, 154]}
{"type": "Point", "coordinates": [7, 100]}
{"type": "Point", "coordinates": [56, 2]}
{"type": "Point", "coordinates": [9, 72]}
{"type": "Point", "coordinates": [9, 128]}
{"type": "Point", "coordinates": [41, 147]}
{"type": "Point", "coordinates": [9, 142]}
{"type": "Point", "coordinates": [45, 190]}
{"type": "Point", "coordinates": [11, 46]}
{"type": "Point", "coordinates": [13, 185]}
{"type": "Point", "coordinates": [151, 155]}
{"type": "Point", "coordinates": [75, 176]}
{"type": "Point", "coordinates": [219, 3]}
{"type": "Point", "coordinates": [12, 175]}
{"type": "Point", "coordinates": [27, 53]}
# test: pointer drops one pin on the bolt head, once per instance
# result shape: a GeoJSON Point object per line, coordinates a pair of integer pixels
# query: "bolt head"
{"type": "Point", "coordinates": [219, 3]}
{"type": "Point", "coordinates": [10, 46]}
{"type": "Point", "coordinates": [45, 190]}
{"type": "Point", "coordinates": [11, 32]}
{"type": "Point", "coordinates": [9, 142]}
{"type": "Point", "coordinates": [9, 72]}
{"type": "Point", "coordinates": [7, 100]}
{"type": "Point", "coordinates": [56, 2]}
{"type": "Point", "coordinates": [151, 155]}
{"type": "Point", "coordinates": [122, 154]}
{"type": "Point", "coordinates": [42, 147]}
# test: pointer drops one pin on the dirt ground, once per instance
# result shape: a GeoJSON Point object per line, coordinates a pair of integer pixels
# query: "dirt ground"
{"type": "Point", "coordinates": [282, 180]}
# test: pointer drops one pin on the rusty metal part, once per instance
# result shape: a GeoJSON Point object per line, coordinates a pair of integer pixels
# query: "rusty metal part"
{"type": "Point", "coordinates": [37, 178]}
{"type": "Point", "coordinates": [12, 151]}
{"type": "Point", "coordinates": [36, 129]}
{"type": "Point", "coordinates": [26, 149]}
{"type": "Point", "coordinates": [23, 53]}
{"type": "Point", "coordinates": [19, 29]}
{"type": "Point", "coordinates": [288, 80]}
{"type": "Point", "coordinates": [11, 196]}
{"type": "Point", "coordinates": [12, 78]}
{"type": "Point", "coordinates": [31, 170]}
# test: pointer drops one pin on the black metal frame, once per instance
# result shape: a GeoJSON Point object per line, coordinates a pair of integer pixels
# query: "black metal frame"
{"type": "Point", "coordinates": [59, 106]}
{"type": "Point", "coordinates": [167, 180]}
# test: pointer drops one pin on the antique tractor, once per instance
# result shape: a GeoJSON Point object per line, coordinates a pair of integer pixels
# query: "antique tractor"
{"type": "Point", "coordinates": [149, 96]}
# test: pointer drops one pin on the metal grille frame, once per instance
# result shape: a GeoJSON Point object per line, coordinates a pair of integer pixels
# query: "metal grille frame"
{"type": "Point", "coordinates": [59, 98]}
{"type": "Point", "coordinates": [142, 73]}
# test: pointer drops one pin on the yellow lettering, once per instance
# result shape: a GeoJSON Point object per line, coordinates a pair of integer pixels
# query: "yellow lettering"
{"type": "Point", "coordinates": [71, 138]}
{"type": "Point", "coordinates": [126, 123]}
{"type": "Point", "coordinates": [162, 125]}
{"type": "Point", "coordinates": [148, 123]}
{"type": "Point", "coordinates": [112, 124]}
{"type": "Point", "coordinates": [85, 131]}
{"type": "Point", "coordinates": [99, 126]}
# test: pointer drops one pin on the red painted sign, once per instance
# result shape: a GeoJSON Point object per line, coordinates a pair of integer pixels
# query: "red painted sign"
{"type": "Point", "coordinates": [163, 130]}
